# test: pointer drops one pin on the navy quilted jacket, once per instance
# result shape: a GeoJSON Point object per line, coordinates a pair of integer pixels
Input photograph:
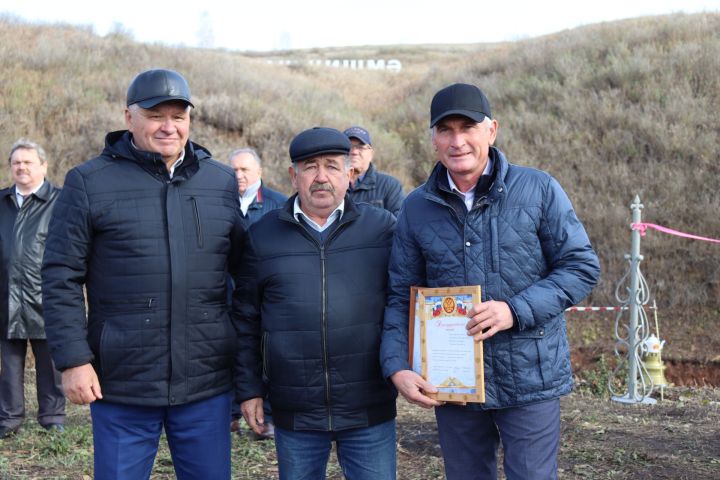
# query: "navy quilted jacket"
{"type": "Point", "coordinates": [311, 318]}
{"type": "Point", "coordinates": [152, 253]}
{"type": "Point", "coordinates": [523, 243]}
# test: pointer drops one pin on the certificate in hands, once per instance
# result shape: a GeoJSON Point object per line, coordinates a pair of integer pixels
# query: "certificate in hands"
{"type": "Point", "coordinates": [440, 349]}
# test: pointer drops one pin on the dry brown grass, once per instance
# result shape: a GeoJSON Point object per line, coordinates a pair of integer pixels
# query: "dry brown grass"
{"type": "Point", "coordinates": [676, 439]}
{"type": "Point", "coordinates": [611, 110]}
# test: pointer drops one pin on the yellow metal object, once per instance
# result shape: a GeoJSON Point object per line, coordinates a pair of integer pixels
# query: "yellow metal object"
{"type": "Point", "coordinates": [655, 369]}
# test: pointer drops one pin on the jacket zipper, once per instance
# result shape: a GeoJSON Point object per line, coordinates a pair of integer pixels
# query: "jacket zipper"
{"type": "Point", "coordinates": [323, 315]}
{"type": "Point", "coordinates": [198, 226]}
{"type": "Point", "coordinates": [326, 362]}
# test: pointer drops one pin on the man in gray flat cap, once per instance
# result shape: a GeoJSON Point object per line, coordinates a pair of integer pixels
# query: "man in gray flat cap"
{"type": "Point", "coordinates": [310, 329]}
{"type": "Point", "coordinates": [148, 228]}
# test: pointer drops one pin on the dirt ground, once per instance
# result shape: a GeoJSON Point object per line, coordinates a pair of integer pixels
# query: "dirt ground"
{"type": "Point", "coordinates": [676, 439]}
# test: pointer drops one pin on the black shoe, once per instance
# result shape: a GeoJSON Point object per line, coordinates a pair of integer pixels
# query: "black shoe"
{"type": "Point", "coordinates": [7, 432]}
{"type": "Point", "coordinates": [55, 427]}
{"type": "Point", "coordinates": [235, 426]}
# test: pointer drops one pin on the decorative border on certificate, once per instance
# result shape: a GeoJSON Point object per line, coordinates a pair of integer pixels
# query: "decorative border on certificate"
{"type": "Point", "coordinates": [440, 349]}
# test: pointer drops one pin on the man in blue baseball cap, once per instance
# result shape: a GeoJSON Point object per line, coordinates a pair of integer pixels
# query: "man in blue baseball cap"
{"type": "Point", "coordinates": [309, 330]}
{"type": "Point", "coordinates": [366, 183]}
{"type": "Point", "coordinates": [480, 220]}
{"type": "Point", "coordinates": [147, 229]}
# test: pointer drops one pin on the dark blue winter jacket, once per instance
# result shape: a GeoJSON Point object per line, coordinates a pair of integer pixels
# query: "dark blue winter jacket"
{"type": "Point", "coordinates": [523, 244]}
{"type": "Point", "coordinates": [152, 253]}
{"type": "Point", "coordinates": [265, 201]}
{"type": "Point", "coordinates": [378, 189]}
{"type": "Point", "coordinates": [310, 317]}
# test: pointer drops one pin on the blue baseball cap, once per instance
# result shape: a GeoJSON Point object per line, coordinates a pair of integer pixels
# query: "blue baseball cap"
{"type": "Point", "coordinates": [359, 133]}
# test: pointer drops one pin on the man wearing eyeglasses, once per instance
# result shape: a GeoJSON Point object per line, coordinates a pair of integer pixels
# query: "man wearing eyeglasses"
{"type": "Point", "coordinates": [366, 183]}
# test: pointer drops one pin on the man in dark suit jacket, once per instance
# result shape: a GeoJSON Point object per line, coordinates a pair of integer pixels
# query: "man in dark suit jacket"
{"type": "Point", "coordinates": [25, 210]}
{"type": "Point", "coordinates": [255, 201]}
{"type": "Point", "coordinates": [255, 198]}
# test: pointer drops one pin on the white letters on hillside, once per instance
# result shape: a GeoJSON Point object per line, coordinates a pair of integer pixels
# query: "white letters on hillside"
{"type": "Point", "coordinates": [392, 65]}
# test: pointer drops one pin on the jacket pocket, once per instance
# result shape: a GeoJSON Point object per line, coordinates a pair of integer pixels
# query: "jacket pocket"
{"type": "Point", "coordinates": [529, 357]}
{"type": "Point", "coordinates": [495, 248]}
{"type": "Point", "coordinates": [198, 224]}
{"type": "Point", "coordinates": [264, 352]}
{"type": "Point", "coordinates": [128, 305]}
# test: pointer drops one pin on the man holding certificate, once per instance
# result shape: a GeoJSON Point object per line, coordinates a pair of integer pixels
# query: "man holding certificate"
{"type": "Point", "coordinates": [479, 220]}
{"type": "Point", "coordinates": [311, 300]}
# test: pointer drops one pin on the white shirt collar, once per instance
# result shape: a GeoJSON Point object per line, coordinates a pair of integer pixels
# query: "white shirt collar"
{"type": "Point", "coordinates": [21, 198]}
{"type": "Point", "coordinates": [247, 198]}
{"type": "Point", "coordinates": [175, 165]}
{"type": "Point", "coordinates": [337, 213]}
{"type": "Point", "coordinates": [469, 196]}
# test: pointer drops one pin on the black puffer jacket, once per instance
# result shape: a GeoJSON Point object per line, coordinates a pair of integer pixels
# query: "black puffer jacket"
{"type": "Point", "coordinates": [152, 252]}
{"type": "Point", "coordinates": [22, 241]}
{"type": "Point", "coordinates": [311, 318]}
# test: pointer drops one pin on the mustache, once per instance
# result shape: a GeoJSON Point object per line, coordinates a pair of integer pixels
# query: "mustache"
{"type": "Point", "coordinates": [321, 187]}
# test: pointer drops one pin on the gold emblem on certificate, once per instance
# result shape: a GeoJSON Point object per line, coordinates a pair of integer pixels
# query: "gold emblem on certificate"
{"type": "Point", "coordinates": [440, 348]}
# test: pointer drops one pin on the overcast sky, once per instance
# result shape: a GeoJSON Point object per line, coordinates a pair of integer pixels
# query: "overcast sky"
{"type": "Point", "coordinates": [263, 25]}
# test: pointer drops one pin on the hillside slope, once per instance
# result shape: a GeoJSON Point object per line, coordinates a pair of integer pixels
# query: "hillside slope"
{"type": "Point", "coordinates": [612, 110]}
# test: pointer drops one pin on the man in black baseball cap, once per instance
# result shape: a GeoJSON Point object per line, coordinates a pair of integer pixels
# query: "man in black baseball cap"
{"type": "Point", "coordinates": [312, 301]}
{"type": "Point", "coordinates": [459, 99]}
{"type": "Point", "coordinates": [480, 220]}
{"type": "Point", "coordinates": [147, 229]}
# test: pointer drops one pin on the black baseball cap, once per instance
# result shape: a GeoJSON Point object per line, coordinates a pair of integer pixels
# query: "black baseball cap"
{"type": "Point", "coordinates": [459, 99]}
{"type": "Point", "coordinates": [156, 86]}
{"type": "Point", "coordinates": [318, 141]}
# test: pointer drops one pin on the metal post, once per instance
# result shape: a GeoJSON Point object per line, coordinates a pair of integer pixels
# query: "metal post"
{"type": "Point", "coordinates": [635, 304]}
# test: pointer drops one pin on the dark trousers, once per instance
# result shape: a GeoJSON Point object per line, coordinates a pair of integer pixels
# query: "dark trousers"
{"type": "Point", "coordinates": [51, 401]}
{"type": "Point", "coordinates": [530, 436]}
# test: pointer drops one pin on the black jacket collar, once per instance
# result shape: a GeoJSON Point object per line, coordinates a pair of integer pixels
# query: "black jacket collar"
{"type": "Point", "coordinates": [118, 145]}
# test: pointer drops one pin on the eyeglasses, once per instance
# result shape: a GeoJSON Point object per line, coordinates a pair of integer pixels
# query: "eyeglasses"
{"type": "Point", "coordinates": [360, 147]}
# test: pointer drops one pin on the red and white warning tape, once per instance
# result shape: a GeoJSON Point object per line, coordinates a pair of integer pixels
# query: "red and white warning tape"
{"type": "Point", "coordinates": [595, 309]}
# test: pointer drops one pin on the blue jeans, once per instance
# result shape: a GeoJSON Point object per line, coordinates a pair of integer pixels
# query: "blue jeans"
{"type": "Point", "coordinates": [366, 453]}
{"type": "Point", "coordinates": [126, 439]}
{"type": "Point", "coordinates": [530, 436]}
